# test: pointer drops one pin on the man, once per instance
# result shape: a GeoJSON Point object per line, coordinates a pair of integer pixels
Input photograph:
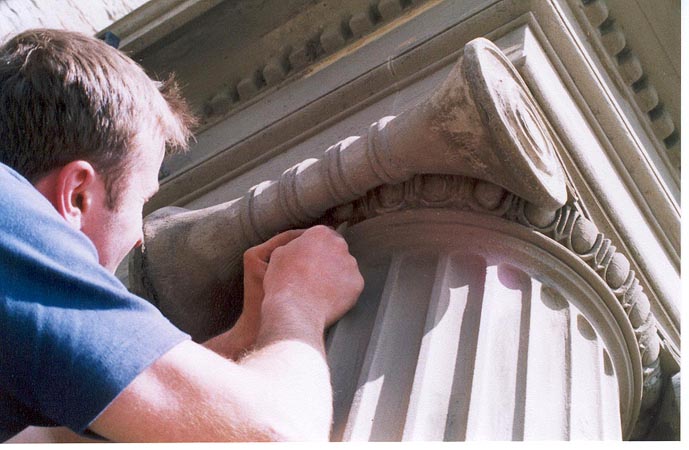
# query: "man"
{"type": "Point", "coordinates": [83, 134]}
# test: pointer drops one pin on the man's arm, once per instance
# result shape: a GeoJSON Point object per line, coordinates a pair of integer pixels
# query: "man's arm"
{"type": "Point", "coordinates": [242, 336]}
{"type": "Point", "coordinates": [280, 391]}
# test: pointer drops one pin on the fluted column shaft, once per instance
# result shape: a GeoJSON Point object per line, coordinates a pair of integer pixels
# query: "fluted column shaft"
{"type": "Point", "coordinates": [472, 328]}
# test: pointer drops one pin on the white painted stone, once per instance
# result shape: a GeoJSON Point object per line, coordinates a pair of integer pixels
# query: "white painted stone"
{"type": "Point", "coordinates": [503, 341]}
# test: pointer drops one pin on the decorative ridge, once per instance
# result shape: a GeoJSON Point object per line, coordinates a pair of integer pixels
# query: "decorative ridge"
{"type": "Point", "coordinates": [480, 122]}
{"type": "Point", "coordinates": [613, 40]}
{"type": "Point", "coordinates": [296, 58]}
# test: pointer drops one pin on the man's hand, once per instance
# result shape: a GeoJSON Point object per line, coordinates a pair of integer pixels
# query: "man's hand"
{"type": "Point", "coordinates": [312, 278]}
{"type": "Point", "coordinates": [282, 390]}
{"type": "Point", "coordinates": [255, 265]}
{"type": "Point", "coordinates": [313, 282]}
{"type": "Point", "coordinates": [242, 336]}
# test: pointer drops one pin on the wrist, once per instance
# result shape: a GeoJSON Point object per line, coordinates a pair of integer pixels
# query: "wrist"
{"type": "Point", "coordinates": [245, 331]}
{"type": "Point", "coordinates": [286, 317]}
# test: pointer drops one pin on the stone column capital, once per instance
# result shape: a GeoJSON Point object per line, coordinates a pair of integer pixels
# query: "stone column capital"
{"type": "Point", "coordinates": [481, 123]}
{"type": "Point", "coordinates": [567, 226]}
{"type": "Point", "coordinates": [479, 143]}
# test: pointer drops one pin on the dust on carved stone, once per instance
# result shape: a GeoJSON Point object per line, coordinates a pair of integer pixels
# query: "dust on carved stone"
{"type": "Point", "coordinates": [465, 146]}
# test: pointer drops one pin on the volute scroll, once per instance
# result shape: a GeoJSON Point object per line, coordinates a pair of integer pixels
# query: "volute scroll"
{"type": "Point", "coordinates": [481, 123]}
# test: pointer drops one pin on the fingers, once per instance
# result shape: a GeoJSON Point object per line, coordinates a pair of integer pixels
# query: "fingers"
{"type": "Point", "coordinates": [263, 251]}
{"type": "Point", "coordinates": [325, 233]}
{"type": "Point", "coordinates": [317, 272]}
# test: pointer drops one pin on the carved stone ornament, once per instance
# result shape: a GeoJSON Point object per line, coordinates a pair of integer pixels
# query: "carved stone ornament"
{"type": "Point", "coordinates": [480, 123]}
{"type": "Point", "coordinates": [566, 225]}
{"type": "Point", "coordinates": [479, 143]}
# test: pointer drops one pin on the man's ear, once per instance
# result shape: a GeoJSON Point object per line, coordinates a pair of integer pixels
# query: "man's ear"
{"type": "Point", "coordinates": [75, 185]}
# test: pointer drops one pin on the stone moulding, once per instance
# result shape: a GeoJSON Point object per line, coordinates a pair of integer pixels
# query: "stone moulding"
{"type": "Point", "coordinates": [299, 57]}
{"type": "Point", "coordinates": [603, 188]}
{"type": "Point", "coordinates": [629, 66]}
{"type": "Point", "coordinates": [482, 122]}
{"type": "Point", "coordinates": [579, 235]}
{"type": "Point", "coordinates": [413, 234]}
{"type": "Point", "coordinates": [566, 225]}
{"type": "Point", "coordinates": [481, 132]}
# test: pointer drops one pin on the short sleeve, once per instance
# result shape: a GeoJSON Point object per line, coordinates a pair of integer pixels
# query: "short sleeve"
{"type": "Point", "coordinates": [72, 336]}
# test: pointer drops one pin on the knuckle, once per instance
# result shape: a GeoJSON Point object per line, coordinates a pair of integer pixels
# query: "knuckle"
{"type": "Point", "coordinates": [357, 273]}
{"type": "Point", "coordinates": [277, 253]}
{"type": "Point", "coordinates": [320, 229]}
{"type": "Point", "coordinates": [249, 254]}
{"type": "Point", "coordinates": [321, 232]}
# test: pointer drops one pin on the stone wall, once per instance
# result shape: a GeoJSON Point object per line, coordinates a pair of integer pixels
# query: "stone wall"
{"type": "Point", "coordinates": [79, 15]}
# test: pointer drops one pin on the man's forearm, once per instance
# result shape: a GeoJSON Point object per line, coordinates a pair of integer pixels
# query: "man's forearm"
{"type": "Point", "coordinates": [288, 354]}
{"type": "Point", "coordinates": [290, 344]}
{"type": "Point", "coordinates": [236, 342]}
{"type": "Point", "coordinates": [303, 408]}
{"type": "Point", "coordinates": [279, 392]}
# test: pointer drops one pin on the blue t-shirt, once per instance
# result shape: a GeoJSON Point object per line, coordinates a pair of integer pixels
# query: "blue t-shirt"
{"type": "Point", "coordinates": [71, 336]}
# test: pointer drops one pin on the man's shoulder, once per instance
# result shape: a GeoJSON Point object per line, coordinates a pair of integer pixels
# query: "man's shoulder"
{"type": "Point", "coordinates": [10, 176]}
{"type": "Point", "coordinates": [18, 191]}
{"type": "Point", "coordinates": [32, 232]}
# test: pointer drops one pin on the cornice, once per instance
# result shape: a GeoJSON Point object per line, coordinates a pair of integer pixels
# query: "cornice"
{"type": "Point", "coordinates": [155, 20]}
{"type": "Point", "coordinates": [239, 67]}
{"type": "Point", "coordinates": [304, 53]}
{"type": "Point", "coordinates": [612, 43]}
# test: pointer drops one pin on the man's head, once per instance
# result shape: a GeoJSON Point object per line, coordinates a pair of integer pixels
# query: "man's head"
{"type": "Point", "coordinates": [65, 96]}
{"type": "Point", "coordinates": [69, 101]}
